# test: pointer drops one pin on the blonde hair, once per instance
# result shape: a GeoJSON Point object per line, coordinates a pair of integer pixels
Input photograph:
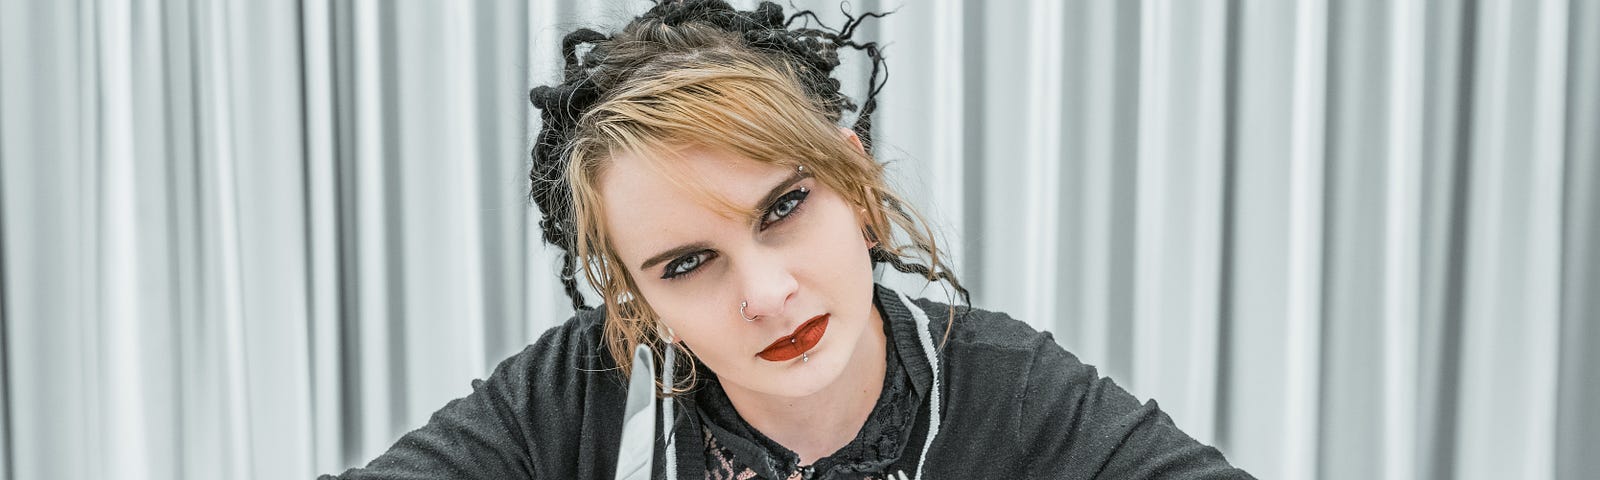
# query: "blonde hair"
{"type": "Point", "coordinates": [698, 85]}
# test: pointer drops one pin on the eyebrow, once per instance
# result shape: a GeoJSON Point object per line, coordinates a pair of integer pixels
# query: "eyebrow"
{"type": "Point", "coordinates": [772, 196]}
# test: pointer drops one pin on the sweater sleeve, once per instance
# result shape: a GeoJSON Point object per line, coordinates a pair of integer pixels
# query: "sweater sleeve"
{"type": "Point", "coordinates": [1088, 427]}
{"type": "Point", "coordinates": [509, 426]}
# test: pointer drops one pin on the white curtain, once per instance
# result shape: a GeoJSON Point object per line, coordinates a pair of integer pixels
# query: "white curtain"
{"type": "Point", "coordinates": [1337, 239]}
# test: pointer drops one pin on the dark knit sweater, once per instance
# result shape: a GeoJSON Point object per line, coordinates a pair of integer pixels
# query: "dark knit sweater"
{"type": "Point", "coordinates": [1014, 405]}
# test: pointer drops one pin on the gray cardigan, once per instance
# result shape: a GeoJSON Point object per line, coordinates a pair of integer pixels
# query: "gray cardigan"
{"type": "Point", "coordinates": [1013, 404]}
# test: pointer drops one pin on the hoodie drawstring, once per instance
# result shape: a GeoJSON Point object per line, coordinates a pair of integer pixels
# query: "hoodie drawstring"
{"type": "Point", "coordinates": [636, 453]}
{"type": "Point", "coordinates": [926, 335]}
{"type": "Point", "coordinates": [671, 468]}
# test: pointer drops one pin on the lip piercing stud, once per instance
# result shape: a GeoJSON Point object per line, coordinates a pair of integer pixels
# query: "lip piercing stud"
{"type": "Point", "coordinates": [804, 358]}
{"type": "Point", "coordinates": [747, 318]}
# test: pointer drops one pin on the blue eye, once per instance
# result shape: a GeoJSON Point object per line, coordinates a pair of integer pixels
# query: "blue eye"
{"type": "Point", "coordinates": [687, 264]}
{"type": "Point", "coordinates": [785, 205]}
{"type": "Point", "coordinates": [780, 210]}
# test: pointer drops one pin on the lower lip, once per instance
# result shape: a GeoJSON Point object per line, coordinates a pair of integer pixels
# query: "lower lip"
{"type": "Point", "coordinates": [801, 341]}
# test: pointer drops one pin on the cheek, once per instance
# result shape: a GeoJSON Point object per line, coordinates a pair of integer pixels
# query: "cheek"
{"type": "Point", "coordinates": [696, 312]}
{"type": "Point", "coordinates": [677, 310]}
{"type": "Point", "coordinates": [830, 259]}
{"type": "Point", "coordinates": [839, 243]}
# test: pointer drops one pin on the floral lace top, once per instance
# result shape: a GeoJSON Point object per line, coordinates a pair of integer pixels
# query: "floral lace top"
{"type": "Point", "coordinates": [737, 451]}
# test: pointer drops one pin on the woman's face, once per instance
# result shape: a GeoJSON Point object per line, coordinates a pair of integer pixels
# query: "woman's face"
{"type": "Point", "coordinates": [802, 266]}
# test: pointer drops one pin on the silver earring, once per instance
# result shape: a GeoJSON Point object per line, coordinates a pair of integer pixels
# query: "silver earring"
{"type": "Point", "coordinates": [747, 318]}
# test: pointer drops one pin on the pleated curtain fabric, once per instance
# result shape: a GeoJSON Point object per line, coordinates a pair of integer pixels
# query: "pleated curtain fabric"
{"type": "Point", "coordinates": [1337, 239]}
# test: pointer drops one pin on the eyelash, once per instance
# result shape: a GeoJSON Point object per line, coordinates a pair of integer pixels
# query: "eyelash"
{"type": "Point", "coordinates": [798, 196]}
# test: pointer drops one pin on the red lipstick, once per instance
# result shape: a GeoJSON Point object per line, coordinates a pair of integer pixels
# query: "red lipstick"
{"type": "Point", "coordinates": [801, 341]}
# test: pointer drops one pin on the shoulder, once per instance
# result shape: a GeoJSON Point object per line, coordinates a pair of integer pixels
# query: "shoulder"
{"type": "Point", "coordinates": [555, 381]}
{"type": "Point", "coordinates": [546, 412]}
{"type": "Point", "coordinates": [583, 333]}
{"type": "Point", "coordinates": [1000, 360]}
{"type": "Point", "coordinates": [584, 328]}
{"type": "Point", "coordinates": [979, 326]}
{"type": "Point", "coordinates": [568, 396]}
{"type": "Point", "coordinates": [561, 366]}
{"type": "Point", "coordinates": [1037, 397]}
{"type": "Point", "coordinates": [1007, 384]}
{"type": "Point", "coordinates": [976, 328]}
{"type": "Point", "coordinates": [574, 351]}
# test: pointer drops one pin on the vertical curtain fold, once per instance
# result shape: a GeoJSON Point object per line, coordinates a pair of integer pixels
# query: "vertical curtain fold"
{"type": "Point", "coordinates": [1337, 239]}
{"type": "Point", "coordinates": [1578, 380]}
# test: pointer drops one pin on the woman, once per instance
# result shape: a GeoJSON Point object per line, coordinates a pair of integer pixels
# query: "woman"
{"type": "Point", "coordinates": [692, 167]}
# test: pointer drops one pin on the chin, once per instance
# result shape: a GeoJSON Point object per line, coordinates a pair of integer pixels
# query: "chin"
{"type": "Point", "coordinates": [829, 359]}
{"type": "Point", "coordinates": [806, 379]}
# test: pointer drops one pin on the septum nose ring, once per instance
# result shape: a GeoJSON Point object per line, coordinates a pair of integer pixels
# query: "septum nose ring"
{"type": "Point", "coordinates": [747, 318]}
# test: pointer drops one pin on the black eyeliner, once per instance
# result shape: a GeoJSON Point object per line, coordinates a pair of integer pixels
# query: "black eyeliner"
{"type": "Point", "coordinates": [800, 200]}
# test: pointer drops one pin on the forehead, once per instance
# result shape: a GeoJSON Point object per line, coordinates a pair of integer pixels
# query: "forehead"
{"type": "Point", "coordinates": [657, 203]}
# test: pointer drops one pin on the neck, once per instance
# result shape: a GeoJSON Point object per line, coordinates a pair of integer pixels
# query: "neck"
{"type": "Point", "coordinates": [817, 425]}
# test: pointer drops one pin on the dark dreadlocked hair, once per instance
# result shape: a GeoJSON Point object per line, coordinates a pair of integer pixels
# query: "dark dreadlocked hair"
{"type": "Point", "coordinates": [644, 66]}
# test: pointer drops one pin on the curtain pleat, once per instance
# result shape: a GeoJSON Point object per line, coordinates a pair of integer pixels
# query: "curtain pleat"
{"type": "Point", "coordinates": [1578, 379]}
{"type": "Point", "coordinates": [1334, 238]}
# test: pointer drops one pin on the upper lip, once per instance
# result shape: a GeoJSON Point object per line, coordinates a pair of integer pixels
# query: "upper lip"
{"type": "Point", "coordinates": [787, 339]}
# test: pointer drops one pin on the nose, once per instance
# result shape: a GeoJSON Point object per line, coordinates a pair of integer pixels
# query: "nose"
{"type": "Point", "coordinates": [767, 283]}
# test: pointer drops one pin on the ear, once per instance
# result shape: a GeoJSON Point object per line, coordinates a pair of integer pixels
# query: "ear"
{"type": "Point", "coordinates": [853, 138]}
{"type": "Point", "coordinates": [867, 235]}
